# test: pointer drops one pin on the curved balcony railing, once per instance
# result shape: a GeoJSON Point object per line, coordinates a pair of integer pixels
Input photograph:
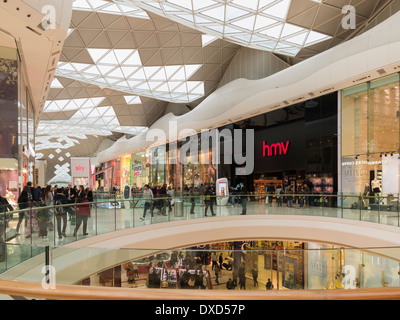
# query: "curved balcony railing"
{"type": "Point", "coordinates": [58, 225]}
{"type": "Point", "coordinates": [251, 272]}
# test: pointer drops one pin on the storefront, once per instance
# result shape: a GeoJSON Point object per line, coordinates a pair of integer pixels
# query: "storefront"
{"type": "Point", "coordinates": [370, 142]}
{"type": "Point", "coordinates": [140, 169]}
{"type": "Point", "coordinates": [183, 167]}
{"type": "Point", "coordinates": [126, 179]}
{"type": "Point", "coordinates": [293, 146]}
{"type": "Point", "coordinates": [80, 172]}
{"type": "Point", "coordinates": [103, 176]}
{"type": "Point", "coordinates": [17, 130]}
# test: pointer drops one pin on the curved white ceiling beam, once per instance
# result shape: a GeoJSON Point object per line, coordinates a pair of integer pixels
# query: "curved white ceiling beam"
{"type": "Point", "coordinates": [39, 43]}
{"type": "Point", "coordinates": [350, 63]}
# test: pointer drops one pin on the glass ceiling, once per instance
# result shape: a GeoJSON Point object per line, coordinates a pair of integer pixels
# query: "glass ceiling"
{"type": "Point", "coordinates": [122, 70]}
{"type": "Point", "coordinates": [120, 7]}
{"type": "Point", "coordinates": [259, 24]}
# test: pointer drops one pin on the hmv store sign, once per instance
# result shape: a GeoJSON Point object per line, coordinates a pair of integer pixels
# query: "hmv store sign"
{"type": "Point", "coordinates": [280, 148]}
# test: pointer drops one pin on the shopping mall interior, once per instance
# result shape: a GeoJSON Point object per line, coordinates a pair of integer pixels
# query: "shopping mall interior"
{"type": "Point", "coordinates": [249, 149]}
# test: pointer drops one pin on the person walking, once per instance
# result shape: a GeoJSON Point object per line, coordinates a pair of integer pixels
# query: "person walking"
{"type": "Point", "coordinates": [83, 211]}
{"type": "Point", "coordinates": [61, 213]}
{"type": "Point", "coordinates": [220, 260]}
{"type": "Point", "coordinates": [217, 271]}
{"type": "Point", "coordinates": [289, 197]}
{"type": "Point", "coordinates": [43, 215]}
{"type": "Point", "coordinates": [24, 202]}
{"type": "Point", "coordinates": [70, 194]}
{"type": "Point", "coordinates": [254, 272]}
{"type": "Point", "coordinates": [242, 277]}
{"type": "Point", "coordinates": [243, 199]}
{"type": "Point", "coordinates": [278, 193]}
{"type": "Point", "coordinates": [209, 201]}
{"type": "Point", "coordinates": [235, 276]}
{"type": "Point", "coordinates": [214, 260]}
{"type": "Point", "coordinates": [192, 199]}
{"type": "Point", "coordinates": [148, 200]}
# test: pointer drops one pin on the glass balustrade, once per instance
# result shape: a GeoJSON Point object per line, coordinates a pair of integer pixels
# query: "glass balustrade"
{"type": "Point", "coordinates": [250, 268]}
{"type": "Point", "coordinates": [58, 225]}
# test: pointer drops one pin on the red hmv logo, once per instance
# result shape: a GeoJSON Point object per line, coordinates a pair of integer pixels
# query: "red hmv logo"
{"type": "Point", "coordinates": [275, 149]}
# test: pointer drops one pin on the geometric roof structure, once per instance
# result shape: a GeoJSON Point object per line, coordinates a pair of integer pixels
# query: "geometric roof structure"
{"type": "Point", "coordinates": [258, 24]}
{"type": "Point", "coordinates": [124, 61]}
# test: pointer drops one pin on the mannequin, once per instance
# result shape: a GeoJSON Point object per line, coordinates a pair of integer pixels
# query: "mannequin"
{"type": "Point", "coordinates": [376, 186]}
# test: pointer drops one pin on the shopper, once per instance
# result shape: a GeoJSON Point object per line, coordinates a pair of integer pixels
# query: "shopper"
{"type": "Point", "coordinates": [163, 200]}
{"type": "Point", "coordinates": [254, 272]}
{"type": "Point", "coordinates": [270, 190]}
{"type": "Point", "coordinates": [230, 285]}
{"type": "Point", "coordinates": [89, 193]}
{"type": "Point", "coordinates": [82, 211]}
{"type": "Point", "coordinates": [148, 200]}
{"type": "Point", "coordinates": [235, 276]}
{"type": "Point", "coordinates": [192, 199]}
{"type": "Point", "coordinates": [214, 259]}
{"type": "Point", "coordinates": [61, 213]}
{"type": "Point", "coordinates": [243, 199]}
{"type": "Point", "coordinates": [242, 277]}
{"type": "Point", "coordinates": [220, 260]}
{"type": "Point", "coordinates": [278, 194]}
{"type": "Point", "coordinates": [209, 200]}
{"type": "Point", "coordinates": [269, 285]}
{"type": "Point", "coordinates": [24, 202]}
{"type": "Point", "coordinates": [43, 215]}
{"type": "Point", "coordinates": [170, 194]}
{"type": "Point", "coordinates": [217, 271]}
{"type": "Point", "coordinates": [289, 196]}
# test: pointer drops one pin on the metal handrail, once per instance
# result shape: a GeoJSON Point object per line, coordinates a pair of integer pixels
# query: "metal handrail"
{"type": "Point", "coordinates": [71, 292]}
{"type": "Point", "coordinates": [202, 196]}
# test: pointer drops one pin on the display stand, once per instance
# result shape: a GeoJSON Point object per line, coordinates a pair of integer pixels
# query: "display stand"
{"type": "Point", "coordinates": [222, 192]}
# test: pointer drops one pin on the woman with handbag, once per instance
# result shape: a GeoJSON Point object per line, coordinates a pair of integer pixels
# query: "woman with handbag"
{"type": "Point", "coordinates": [82, 211]}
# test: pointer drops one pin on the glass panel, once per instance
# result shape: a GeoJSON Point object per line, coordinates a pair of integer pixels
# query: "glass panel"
{"type": "Point", "coordinates": [354, 121]}
{"type": "Point", "coordinates": [383, 121]}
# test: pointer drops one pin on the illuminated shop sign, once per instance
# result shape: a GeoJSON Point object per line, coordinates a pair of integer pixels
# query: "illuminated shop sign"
{"type": "Point", "coordinates": [275, 149]}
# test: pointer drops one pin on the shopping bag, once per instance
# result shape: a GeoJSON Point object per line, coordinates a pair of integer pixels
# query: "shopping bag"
{"type": "Point", "coordinates": [266, 200]}
{"type": "Point", "coordinates": [11, 234]}
{"type": "Point", "coordinates": [73, 220]}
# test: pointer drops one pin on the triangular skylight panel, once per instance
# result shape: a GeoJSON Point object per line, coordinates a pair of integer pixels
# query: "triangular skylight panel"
{"type": "Point", "coordinates": [207, 39]}
{"type": "Point", "coordinates": [56, 84]}
{"type": "Point", "coordinates": [132, 100]}
{"type": "Point", "coordinates": [239, 21]}
{"type": "Point", "coordinates": [250, 4]}
{"type": "Point", "coordinates": [279, 10]}
{"type": "Point", "coordinates": [232, 13]}
{"type": "Point", "coordinates": [129, 9]}
{"type": "Point", "coordinates": [187, 4]}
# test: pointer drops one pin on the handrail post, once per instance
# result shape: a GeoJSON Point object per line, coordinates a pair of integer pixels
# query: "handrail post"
{"type": "Point", "coordinates": [95, 218]}
{"type": "Point", "coordinates": [54, 222]}
{"type": "Point", "coordinates": [277, 270]}
{"type": "Point", "coordinates": [379, 209]}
